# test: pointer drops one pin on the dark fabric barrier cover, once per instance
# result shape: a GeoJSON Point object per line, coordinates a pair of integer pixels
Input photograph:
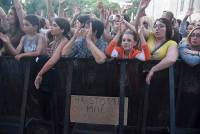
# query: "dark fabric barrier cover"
{"type": "Point", "coordinates": [45, 107]}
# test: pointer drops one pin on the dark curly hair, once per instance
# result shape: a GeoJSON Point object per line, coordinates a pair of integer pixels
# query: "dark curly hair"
{"type": "Point", "coordinates": [168, 27]}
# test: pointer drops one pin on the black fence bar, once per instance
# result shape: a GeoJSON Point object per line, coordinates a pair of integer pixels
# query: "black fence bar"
{"type": "Point", "coordinates": [68, 99]}
{"type": "Point", "coordinates": [145, 109]}
{"type": "Point", "coordinates": [25, 95]}
{"type": "Point", "coordinates": [122, 95]}
{"type": "Point", "coordinates": [187, 131]}
{"type": "Point", "coordinates": [172, 101]}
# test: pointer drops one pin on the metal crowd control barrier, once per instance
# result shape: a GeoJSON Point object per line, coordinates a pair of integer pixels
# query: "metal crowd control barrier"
{"type": "Point", "coordinates": [84, 77]}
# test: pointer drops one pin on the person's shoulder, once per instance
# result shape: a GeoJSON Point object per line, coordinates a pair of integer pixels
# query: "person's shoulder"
{"type": "Point", "coordinates": [150, 34]}
{"type": "Point", "coordinates": [171, 43]}
{"type": "Point", "coordinates": [24, 37]}
{"type": "Point", "coordinates": [183, 43]}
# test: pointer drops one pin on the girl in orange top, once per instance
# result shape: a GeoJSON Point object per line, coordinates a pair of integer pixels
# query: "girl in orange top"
{"type": "Point", "coordinates": [129, 45]}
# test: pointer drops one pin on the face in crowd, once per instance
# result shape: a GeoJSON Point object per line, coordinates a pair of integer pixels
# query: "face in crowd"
{"type": "Point", "coordinates": [194, 37]}
{"type": "Point", "coordinates": [31, 24]}
{"type": "Point", "coordinates": [159, 29]}
{"type": "Point", "coordinates": [162, 29]}
{"type": "Point", "coordinates": [129, 40]}
{"type": "Point", "coordinates": [60, 27]}
{"type": "Point", "coordinates": [116, 23]}
{"type": "Point", "coordinates": [12, 17]}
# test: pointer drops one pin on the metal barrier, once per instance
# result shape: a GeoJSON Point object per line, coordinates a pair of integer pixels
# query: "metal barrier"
{"type": "Point", "coordinates": [151, 109]}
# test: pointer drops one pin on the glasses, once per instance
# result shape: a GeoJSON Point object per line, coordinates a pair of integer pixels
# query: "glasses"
{"type": "Point", "coordinates": [195, 35]}
{"type": "Point", "coordinates": [158, 26]}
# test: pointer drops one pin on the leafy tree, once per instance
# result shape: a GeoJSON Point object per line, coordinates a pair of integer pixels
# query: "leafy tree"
{"type": "Point", "coordinates": [133, 9]}
{"type": "Point", "coordinates": [5, 4]}
{"type": "Point", "coordinates": [35, 6]}
{"type": "Point", "coordinates": [32, 6]}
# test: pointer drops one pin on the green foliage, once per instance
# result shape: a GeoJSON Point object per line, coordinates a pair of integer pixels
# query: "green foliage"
{"type": "Point", "coordinates": [134, 8]}
{"type": "Point", "coordinates": [36, 6]}
{"type": "Point", "coordinates": [5, 4]}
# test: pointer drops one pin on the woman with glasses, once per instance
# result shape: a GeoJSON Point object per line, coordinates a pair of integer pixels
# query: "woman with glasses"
{"type": "Point", "coordinates": [161, 47]}
{"type": "Point", "coordinates": [159, 41]}
{"type": "Point", "coordinates": [190, 49]}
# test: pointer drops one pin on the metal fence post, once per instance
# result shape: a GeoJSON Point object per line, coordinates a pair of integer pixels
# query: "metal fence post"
{"type": "Point", "coordinates": [24, 99]}
{"type": "Point", "coordinates": [172, 101]}
{"type": "Point", "coordinates": [122, 95]}
{"type": "Point", "coordinates": [68, 98]}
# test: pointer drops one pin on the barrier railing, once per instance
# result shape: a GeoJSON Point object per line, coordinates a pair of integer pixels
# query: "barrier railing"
{"type": "Point", "coordinates": [81, 83]}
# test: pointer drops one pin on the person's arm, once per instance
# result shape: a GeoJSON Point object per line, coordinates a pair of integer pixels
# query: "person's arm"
{"type": "Point", "coordinates": [61, 12]}
{"type": "Point", "coordinates": [101, 10]}
{"type": "Point", "coordinates": [170, 59]}
{"type": "Point", "coordinates": [120, 31]}
{"type": "Point", "coordinates": [68, 48]}
{"type": "Point", "coordinates": [191, 58]}
{"type": "Point", "coordinates": [9, 46]}
{"type": "Point", "coordinates": [98, 55]}
{"type": "Point", "coordinates": [50, 63]}
{"type": "Point", "coordinates": [20, 12]}
{"type": "Point", "coordinates": [50, 11]}
{"type": "Point", "coordinates": [106, 35]}
{"type": "Point", "coordinates": [38, 51]}
{"type": "Point", "coordinates": [129, 25]}
{"type": "Point", "coordinates": [145, 54]}
{"type": "Point", "coordinates": [77, 12]}
{"type": "Point", "coordinates": [110, 48]}
{"type": "Point", "coordinates": [192, 52]}
{"type": "Point", "coordinates": [183, 25]}
{"type": "Point", "coordinates": [3, 20]}
{"type": "Point", "coordinates": [141, 11]}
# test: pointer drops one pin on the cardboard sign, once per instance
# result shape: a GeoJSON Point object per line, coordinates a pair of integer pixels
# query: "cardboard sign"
{"type": "Point", "coordinates": [96, 109]}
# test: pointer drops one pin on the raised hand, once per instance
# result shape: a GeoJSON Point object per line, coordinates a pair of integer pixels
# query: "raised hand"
{"type": "Point", "coordinates": [77, 11]}
{"type": "Point", "coordinates": [61, 1]}
{"type": "Point", "coordinates": [78, 32]}
{"type": "Point", "coordinates": [122, 28]}
{"type": "Point", "coordinates": [100, 6]}
{"type": "Point", "coordinates": [93, 16]}
{"type": "Point", "coordinates": [5, 38]}
{"type": "Point", "coordinates": [144, 4]}
{"type": "Point", "coordinates": [2, 13]}
{"type": "Point", "coordinates": [189, 12]}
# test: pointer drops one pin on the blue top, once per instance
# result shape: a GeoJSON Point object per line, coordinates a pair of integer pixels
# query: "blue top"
{"type": "Point", "coordinates": [190, 59]}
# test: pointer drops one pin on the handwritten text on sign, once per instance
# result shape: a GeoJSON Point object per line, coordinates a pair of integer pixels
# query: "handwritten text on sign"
{"type": "Point", "coordinates": [96, 109]}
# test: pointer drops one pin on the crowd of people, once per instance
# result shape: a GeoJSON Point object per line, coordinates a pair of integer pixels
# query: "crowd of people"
{"type": "Point", "coordinates": [111, 35]}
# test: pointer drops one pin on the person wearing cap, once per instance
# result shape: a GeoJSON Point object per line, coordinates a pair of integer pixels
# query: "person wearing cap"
{"type": "Point", "coordinates": [190, 48]}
